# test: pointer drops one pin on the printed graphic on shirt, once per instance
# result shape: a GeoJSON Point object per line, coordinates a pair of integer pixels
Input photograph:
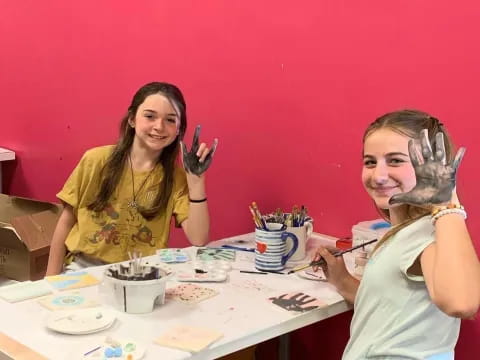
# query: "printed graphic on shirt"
{"type": "Point", "coordinates": [128, 231]}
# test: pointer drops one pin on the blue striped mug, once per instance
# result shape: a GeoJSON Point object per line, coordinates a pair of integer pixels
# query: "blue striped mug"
{"type": "Point", "coordinates": [271, 247]}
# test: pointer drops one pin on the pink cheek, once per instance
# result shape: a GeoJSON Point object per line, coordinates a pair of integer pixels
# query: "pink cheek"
{"type": "Point", "coordinates": [406, 177]}
{"type": "Point", "coordinates": [366, 178]}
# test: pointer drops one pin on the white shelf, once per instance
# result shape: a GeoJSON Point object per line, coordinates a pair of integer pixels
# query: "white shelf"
{"type": "Point", "coordinates": [6, 154]}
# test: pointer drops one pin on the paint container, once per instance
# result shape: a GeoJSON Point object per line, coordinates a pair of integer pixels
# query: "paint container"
{"type": "Point", "coordinates": [271, 247]}
{"type": "Point", "coordinates": [135, 294]}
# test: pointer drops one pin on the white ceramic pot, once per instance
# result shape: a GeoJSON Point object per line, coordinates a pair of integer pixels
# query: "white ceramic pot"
{"type": "Point", "coordinates": [135, 296]}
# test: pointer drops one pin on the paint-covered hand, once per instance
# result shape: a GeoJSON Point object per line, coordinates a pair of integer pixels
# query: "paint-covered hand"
{"type": "Point", "coordinates": [436, 179]}
{"type": "Point", "coordinates": [296, 302]}
{"type": "Point", "coordinates": [198, 159]}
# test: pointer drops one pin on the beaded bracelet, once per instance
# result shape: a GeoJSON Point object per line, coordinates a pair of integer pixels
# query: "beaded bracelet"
{"type": "Point", "coordinates": [437, 209]}
{"type": "Point", "coordinates": [438, 214]}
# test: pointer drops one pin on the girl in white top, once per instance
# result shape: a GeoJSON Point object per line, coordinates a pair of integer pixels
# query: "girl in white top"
{"type": "Point", "coordinates": [424, 274]}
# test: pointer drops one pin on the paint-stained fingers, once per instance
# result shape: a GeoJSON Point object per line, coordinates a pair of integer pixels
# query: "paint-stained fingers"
{"type": "Point", "coordinates": [426, 146]}
{"type": "Point", "coordinates": [202, 152]}
{"type": "Point", "coordinates": [458, 158]}
{"type": "Point", "coordinates": [411, 197]}
{"type": "Point", "coordinates": [397, 199]}
{"type": "Point", "coordinates": [184, 148]}
{"type": "Point", "coordinates": [296, 297]}
{"type": "Point", "coordinates": [310, 299]}
{"type": "Point", "coordinates": [209, 156]}
{"type": "Point", "coordinates": [440, 149]}
{"type": "Point", "coordinates": [196, 136]}
{"type": "Point", "coordinates": [302, 298]}
{"type": "Point", "coordinates": [184, 154]}
{"type": "Point", "coordinates": [415, 157]}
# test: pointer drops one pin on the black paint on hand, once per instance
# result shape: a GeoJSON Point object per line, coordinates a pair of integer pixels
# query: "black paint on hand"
{"type": "Point", "coordinates": [436, 179]}
{"type": "Point", "coordinates": [191, 161]}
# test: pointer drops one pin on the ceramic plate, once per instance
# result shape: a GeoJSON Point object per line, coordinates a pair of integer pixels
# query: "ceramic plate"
{"type": "Point", "coordinates": [81, 321]}
{"type": "Point", "coordinates": [309, 274]}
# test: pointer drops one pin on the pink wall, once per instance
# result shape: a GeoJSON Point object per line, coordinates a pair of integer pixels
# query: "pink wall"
{"type": "Point", "coordinates": [287, 88]}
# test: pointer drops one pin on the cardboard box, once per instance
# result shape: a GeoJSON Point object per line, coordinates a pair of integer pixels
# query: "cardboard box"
{"type": "Point", "coordinates": [26, 230]}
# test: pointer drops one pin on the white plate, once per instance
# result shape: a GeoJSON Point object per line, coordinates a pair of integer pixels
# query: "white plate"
{"type": "Point", "coordinates": [81, 321]}
{"type": "Point", "coordinates": [309, 274]}
{"type": "Point", "coordinates": [99, 345]}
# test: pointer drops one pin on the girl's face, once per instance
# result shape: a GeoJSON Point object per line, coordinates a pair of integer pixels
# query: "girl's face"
{"type": "Point", "coordinates": [156, 123]}
{"type": "Point", "coordinates": [387, 169]}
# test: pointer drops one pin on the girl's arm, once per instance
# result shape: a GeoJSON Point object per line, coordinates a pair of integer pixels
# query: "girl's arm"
{"type": "Point", "coordinates": [338, 275]}
{"type": "Point", "coordinates": [451, 268]}
{"type": "Point", "coordinates": [196, 162]}
{"type": "Point", "coordinates": [197, 225]}
{"type": "Point", "coordinates": [57, 247]}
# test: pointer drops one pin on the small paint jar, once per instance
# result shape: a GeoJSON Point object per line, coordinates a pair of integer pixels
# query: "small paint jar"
{"type": "Point", "coordinates": [361, 260]}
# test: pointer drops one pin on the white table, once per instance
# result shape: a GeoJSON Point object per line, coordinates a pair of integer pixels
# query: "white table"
{"type": "Point", "coordinates": [5, 155]}
{"type": "Point", "coordinates": [240, 311]}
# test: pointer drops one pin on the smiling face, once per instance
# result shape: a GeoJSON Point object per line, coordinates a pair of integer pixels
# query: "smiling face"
{"type": "Point", "coordinates": [387, 169]}
{"type": "Point", "coordinates": [156, 123]}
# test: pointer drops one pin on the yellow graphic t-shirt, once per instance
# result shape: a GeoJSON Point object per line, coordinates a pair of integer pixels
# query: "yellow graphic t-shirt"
{"type": "Point", "coordinates": [110, 234]}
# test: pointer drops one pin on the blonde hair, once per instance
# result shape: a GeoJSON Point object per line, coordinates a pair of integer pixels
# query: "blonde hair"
{"type": "Point", "coordinates": [409, 123]}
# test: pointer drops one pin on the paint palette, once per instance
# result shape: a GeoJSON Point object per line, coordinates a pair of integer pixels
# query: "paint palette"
{"type": "Point", "coordinates": [111, 348]}
{"type": "Point", "coordinates": [208, 254]}
{"type": "Point", "coordinates": [172, 255]}
{"type": "Point", "coordinates": [212, 265]}
{"type": "Point", "coordinates": [209, 276]}
{"type": "Point", "coordinates": [81, 321]}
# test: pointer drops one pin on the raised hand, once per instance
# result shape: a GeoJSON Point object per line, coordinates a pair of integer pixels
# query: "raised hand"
{"type": "Point", "coordinates": [198, 159]}
{"type": "Point", "coordinates": [436, 179]}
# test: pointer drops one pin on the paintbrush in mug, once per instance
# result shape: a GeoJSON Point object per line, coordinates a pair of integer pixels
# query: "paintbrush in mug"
{"type": "Point", "coordinates": [337, 254]}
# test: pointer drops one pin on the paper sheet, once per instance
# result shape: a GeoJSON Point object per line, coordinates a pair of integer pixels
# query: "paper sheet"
{"type": "Point", "coordinates": [189, 338]}
{"type": "Point", "coordinates": [72, 280]}
{"type": "Point", "coordinates": [25, 290]}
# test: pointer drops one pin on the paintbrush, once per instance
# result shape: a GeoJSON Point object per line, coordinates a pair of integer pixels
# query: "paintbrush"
{"type": "Point", "coordinates": [339, 253]}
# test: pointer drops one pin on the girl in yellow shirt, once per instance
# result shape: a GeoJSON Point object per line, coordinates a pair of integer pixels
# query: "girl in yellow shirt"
{"type": "Point", "coordinates": [122, 197]}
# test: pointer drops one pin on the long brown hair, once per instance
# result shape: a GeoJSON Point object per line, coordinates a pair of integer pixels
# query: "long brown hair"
{"type": "Point", "coordinates": [113, 169]}
{"type": "Point", "coordinates": [409, 123]}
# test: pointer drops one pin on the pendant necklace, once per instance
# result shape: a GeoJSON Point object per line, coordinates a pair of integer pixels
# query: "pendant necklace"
{"type": "Point", "coordinates": [133, 204]}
